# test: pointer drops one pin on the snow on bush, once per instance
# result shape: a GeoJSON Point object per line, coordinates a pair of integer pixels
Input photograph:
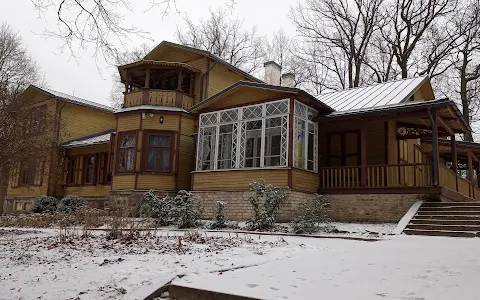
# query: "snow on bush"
{"type": "Point", "coordinates": [266, 201]}
{"type": "Point", "coordinates": [186, 209]}
{"type": "Point", "coordinates": [156, 207]}
{"type": "Point", "coordinates": [219, 220]}
{"type": "Point", "coordinates": [45, 204]}
{"type": "Point", "coordinates": [309, 214]}
{"type": "Point", "coordinates": [69, 204]}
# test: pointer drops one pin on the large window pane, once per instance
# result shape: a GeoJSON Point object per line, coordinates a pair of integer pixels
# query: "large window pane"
{"type": "Point", "coordinates": [159, 141]}
{"type": "Point", "coordinates": [158, 152]}
{"type": "Point", "coordinates": [273, 141]}
{"type": "Point", "coordinates": [310, 149]}
{"type": "Point", "coordinates": [165, 159]}
{"type": "Point", "coordinates": [253, 133]}
{"type": "Point", "coordinates": [300, 144]}
{"type": "Point", "coordinates": [152, 159]}
{"type": "Point", "coordinates": [207, 148]}
{"type": "Point", "coordinates": [225, 144]}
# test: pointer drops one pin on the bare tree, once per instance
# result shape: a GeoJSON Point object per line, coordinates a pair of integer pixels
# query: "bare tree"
{"type": "Point", "coordinates": [116, 93]}
{"type": "Point", "coordinates": [226, 38]}
{"type": "Point", "coordinates": [467, 60]}
{"type": "Point", "coordinates": [344, 28]}
{"type": "Point", "coordinates": [416, 32]}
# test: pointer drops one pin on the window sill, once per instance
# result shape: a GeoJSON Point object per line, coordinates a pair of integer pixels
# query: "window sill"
{"type": "Point", "coordinates": [244, 169]}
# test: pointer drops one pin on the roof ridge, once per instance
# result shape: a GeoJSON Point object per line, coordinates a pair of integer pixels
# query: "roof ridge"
{"type": "Point", "coordinates": [373, 84]}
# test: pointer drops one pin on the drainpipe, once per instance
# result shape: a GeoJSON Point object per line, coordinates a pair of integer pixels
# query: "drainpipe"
{"type": "Point", "coordinates": [434, 147]}
{"type": "Point", "coordinates": [202, 77]}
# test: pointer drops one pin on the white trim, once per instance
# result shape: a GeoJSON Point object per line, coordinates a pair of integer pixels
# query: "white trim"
{"type": "Point", "coordinates": [407, 217]}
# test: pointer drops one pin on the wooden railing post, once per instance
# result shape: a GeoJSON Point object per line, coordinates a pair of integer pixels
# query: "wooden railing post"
{"type": "Point", "coordinates": [470, 172]}
{"type": "Point", "coordinates": [363, 153]}
{"type": "Point", "coordinates": [453, 145]}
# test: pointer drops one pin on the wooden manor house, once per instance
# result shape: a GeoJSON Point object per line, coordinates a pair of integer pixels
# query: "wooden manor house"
{"type": "Point", "coordinates": [192, 121]}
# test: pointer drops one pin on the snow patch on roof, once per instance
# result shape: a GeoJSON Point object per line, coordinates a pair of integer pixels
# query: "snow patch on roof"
{"type": "Point", "coordinates": [151, 107]}
{"type": "Point", "coordinates": [77, 100]}
{"type": "Point", "coordinates": [101, 138]}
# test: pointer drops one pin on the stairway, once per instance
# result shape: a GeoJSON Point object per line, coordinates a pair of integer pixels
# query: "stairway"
{"type": "Point", "coordinates": [457, 219]}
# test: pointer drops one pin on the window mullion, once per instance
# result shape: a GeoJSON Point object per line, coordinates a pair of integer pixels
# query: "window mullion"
{"type": "Point", "coordinates": [306, 133]}
{"type": "Point", "coordinates": [262, 138]}
{"type": "Point", "coordinates": [217, 143]}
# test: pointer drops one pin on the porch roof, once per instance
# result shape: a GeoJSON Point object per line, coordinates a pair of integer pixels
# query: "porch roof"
{"type": "Point", "coordinates": [380, 94]}
{"type": "Point", "coordinates": [161, 64]}
{"type": "Point", "coordinates": [407, 112]}
{"type": "Point", "coordinates": [89, 140]}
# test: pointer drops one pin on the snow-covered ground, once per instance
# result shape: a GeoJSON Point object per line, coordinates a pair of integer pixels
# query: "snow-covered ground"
{"type": "Point", "coordinates": [34, 265]}
{"type": "Point", "coordinates": [401, 267]}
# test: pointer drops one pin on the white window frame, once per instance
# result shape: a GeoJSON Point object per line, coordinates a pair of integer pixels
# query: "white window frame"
{"type": "Point", "coordinates": [305, 113]}
{"type": "Point", "coordinates": [213, 119]}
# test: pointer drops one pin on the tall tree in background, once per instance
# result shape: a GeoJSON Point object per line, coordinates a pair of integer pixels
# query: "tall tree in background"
{"type": "Point", "coordinates": [467, 60]}
{"type": "Point", "coordinates": [126, 57]}
{"type": "Point", "coordinates": [417, 35]}
{"type": "Point", "coordinates": [224, 37]}
{"type": "Point", "coordinates": [344, 28]}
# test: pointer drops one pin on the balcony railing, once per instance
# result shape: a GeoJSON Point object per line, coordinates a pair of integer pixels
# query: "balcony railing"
{"type": "Point", "coordinates": [158, 97]}
{"type": "Point", "coordinates": [378, 176]}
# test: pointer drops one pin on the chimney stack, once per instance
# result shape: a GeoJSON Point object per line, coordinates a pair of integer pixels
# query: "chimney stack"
{"type": "Point", "coordinates": [288, 80]}
{"type": "Point", "coordinates": [273, 73]}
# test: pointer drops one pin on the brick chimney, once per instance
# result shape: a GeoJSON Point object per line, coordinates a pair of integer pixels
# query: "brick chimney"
{"type": "Point", "coordinates": [288, 80]}
{"type": "Point", "coordinates": [273, 73]}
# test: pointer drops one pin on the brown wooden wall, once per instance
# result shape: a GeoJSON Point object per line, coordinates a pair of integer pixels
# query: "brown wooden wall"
{"type": "Point", "coordinates": [237, 180]}
{"type": "Point", "coordinates": [305, 181]}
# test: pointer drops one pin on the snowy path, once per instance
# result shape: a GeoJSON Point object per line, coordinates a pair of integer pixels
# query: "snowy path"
{"type": "Point", "coordinates": [403, 267]}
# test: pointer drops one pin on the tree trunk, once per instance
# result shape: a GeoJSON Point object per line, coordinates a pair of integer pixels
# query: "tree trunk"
{"type": "Point", "coordinates": [463, 96]}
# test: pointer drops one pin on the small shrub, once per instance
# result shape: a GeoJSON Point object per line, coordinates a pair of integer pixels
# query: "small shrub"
{"type": "Point", "coordinates": [158, 208]}
{"type": "Point", "coordinates": [219, 220]}
{"type": "Point", "coordinates": [309, 214]}
{"type": "Point", "coordinates": [266, 201]}
{"type": "Point", "coordinates": [69, 204]}
{"type": "Point", "coordinates": [45, 204]}
{"type": "Point", "coordinates": [186, 209]}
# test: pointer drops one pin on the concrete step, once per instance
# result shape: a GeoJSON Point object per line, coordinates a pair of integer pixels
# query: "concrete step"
{"type": "Point", "coordinates": [437, 204]}
{"type": "Point", "coordinates": [450, 208]}
{"type": "Point", "coordinates": [440, 233]}
{"type": "Point", "coordinates": [446, 216]}
{"type": "Point", "coordinates": [449, 213]}
{"type": "Point", "coordinates": [443, 227]}
{"type": "Point", "coordinates": [419, 221]}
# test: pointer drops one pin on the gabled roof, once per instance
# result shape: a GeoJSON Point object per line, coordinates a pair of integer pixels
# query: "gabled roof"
{"type": "Point", "coordinates": [249, 84]}
{"type": "Point", "coordinates": [392, 92]}
{"type": "Point", "coordinates": [89, 140]}
{"type": "Point", "coordinates": [203, 53]}
{"type": "Point", "coordinates": [74, 100]}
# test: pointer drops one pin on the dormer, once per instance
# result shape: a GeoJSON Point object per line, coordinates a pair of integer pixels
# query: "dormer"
{"type": "Point", "coordinates": [158, 83]}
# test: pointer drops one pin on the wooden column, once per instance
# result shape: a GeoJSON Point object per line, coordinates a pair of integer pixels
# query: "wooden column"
{"type": "Point", "coordinates": [435, 152]}
{"type": "Point", "coordinates": [146, 89]}
{"type": "Point", "coordinates": [453, 145]}
{"type": "Point", "coordinates": [470, 172]}
{"type": "Point", "coordinates": [363, 153]}
{"type": "Point", "coordinates": [179, 80]}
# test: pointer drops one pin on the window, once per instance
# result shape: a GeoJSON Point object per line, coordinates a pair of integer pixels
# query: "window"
{"type": "Point", "coordinates": [89, 170]}
{"type": "Point", "coordinates": [27, 173]}
{"type": "Point", "coordinates": [105, 173]}
{"type": "Point", "coordinates": [253, 136]}
{"type": "Point", "coordinates": [126, 152]}
{"type": "Point", "coordinates": [71, 171]}
{"type": "Point", "coordinates": [35, 120]}
{"type": "Point", "coordinates": [305, 149]}
{"type": "Point", "coordinates": [158, 151]}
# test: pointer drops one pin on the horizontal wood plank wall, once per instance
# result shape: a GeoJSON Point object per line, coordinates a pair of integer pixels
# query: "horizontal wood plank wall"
{"type": "Point", "coordinates": [186, 162]}
{"type": "Point", "coordinates": [127, 122]}
{"type": "Point", "coordinates": [79, 121]}
{"type": "Point", "coordinates": [123, 182]}
{"type": "Point", "coordinates": [305, 181]}
{"type": "Point", "coordinates": [220, 78]}
{"type": "Point", "coordinates": [237, 180]}
{"type": "Point", "coordinates": [200, 64]}
{"type": "Point", "coordinates": [170, 122]}
{"type": "Point", "coordinates": [88, 191]}
{"type": "Point", "coordinates": [156, 181]}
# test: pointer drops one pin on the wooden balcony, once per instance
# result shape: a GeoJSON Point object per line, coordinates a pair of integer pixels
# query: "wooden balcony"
{"type": "Point", "coordinates": [158, 98]}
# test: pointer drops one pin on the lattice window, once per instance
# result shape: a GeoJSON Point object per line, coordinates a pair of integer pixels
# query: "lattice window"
{"type": "Point", "coordinates": [252, 112]}
{"type": "Point", "coordinates": [229, 116]}
{"type": "Point", "coordinates": [276, 108]}
{"type": "Point", "coordinates": [305, 140]}
{"type": "Point", "coordinates": [301, 110]}
{"type": "Point", "coordinates": [208, 119]}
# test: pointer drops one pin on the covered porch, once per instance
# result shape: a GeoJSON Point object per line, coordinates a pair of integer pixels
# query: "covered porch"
{"type": "Point", "coordinates": [379, 149]}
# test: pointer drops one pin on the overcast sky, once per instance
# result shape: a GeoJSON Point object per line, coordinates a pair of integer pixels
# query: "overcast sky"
{"type": "Point", "coordinates": [90, 80]}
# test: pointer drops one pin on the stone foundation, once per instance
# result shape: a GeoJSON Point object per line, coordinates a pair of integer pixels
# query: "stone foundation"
{"type": "Point", "coordinates": [18, 204]}
{"type": "Point", "coordinates": [238, 207]}
{"type": "Point", "coordinates": [370, 207]}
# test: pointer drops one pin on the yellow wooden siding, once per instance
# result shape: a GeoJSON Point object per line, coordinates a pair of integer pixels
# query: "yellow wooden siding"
{"type": "Point", "coordinates": [243, 96]}
{"type": "Point", "coordinates": [220, 78]}
{"type": "Point", "coordinates": [186, 161]}
{"type": "Point", "coordinates": [14, 190]}
{"type": "Point", "coordinates": [188, 125]}
{"type": "Point", "coordinates": [305, 181]}
{"type": "Point", "coordinates": [156, 181]}
{"type": "Point", "coordinates": [127, 122]}
{"type": "Point", "coordinates": [79, 121]}
{"type": "Point", "coordinates": [238, 179]}
{"type": "Point", "coordinates": [174, 54]}
{"type": "Point", "coordinates": [170, 122]}
{"type": "Point", "coordinates": [200, 64]}
{"type": "Point", "coordinates": [88, 191]}
{"type": "Point", "coordinates": [123, 182]}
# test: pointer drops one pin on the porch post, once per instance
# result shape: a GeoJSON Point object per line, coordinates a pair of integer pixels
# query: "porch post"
{"type": "Point", "coordinates": [363, 152]}
{"type": "Point", "coordinates": [146, 92]}
{"type": "Point", "coordinates": [433, 121]}
{"type": "Point", "coordinates": [453, 144]}
{"type": "Point", "coordinates": [470, 172]}
{"type": "Point", "coordinates": [147, 78]}
{"type": "Point", "coordinates": [179, 80]}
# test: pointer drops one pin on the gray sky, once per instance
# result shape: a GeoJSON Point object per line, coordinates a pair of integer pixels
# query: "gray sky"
{"type": "Point", "coordinates": [91, 80]}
